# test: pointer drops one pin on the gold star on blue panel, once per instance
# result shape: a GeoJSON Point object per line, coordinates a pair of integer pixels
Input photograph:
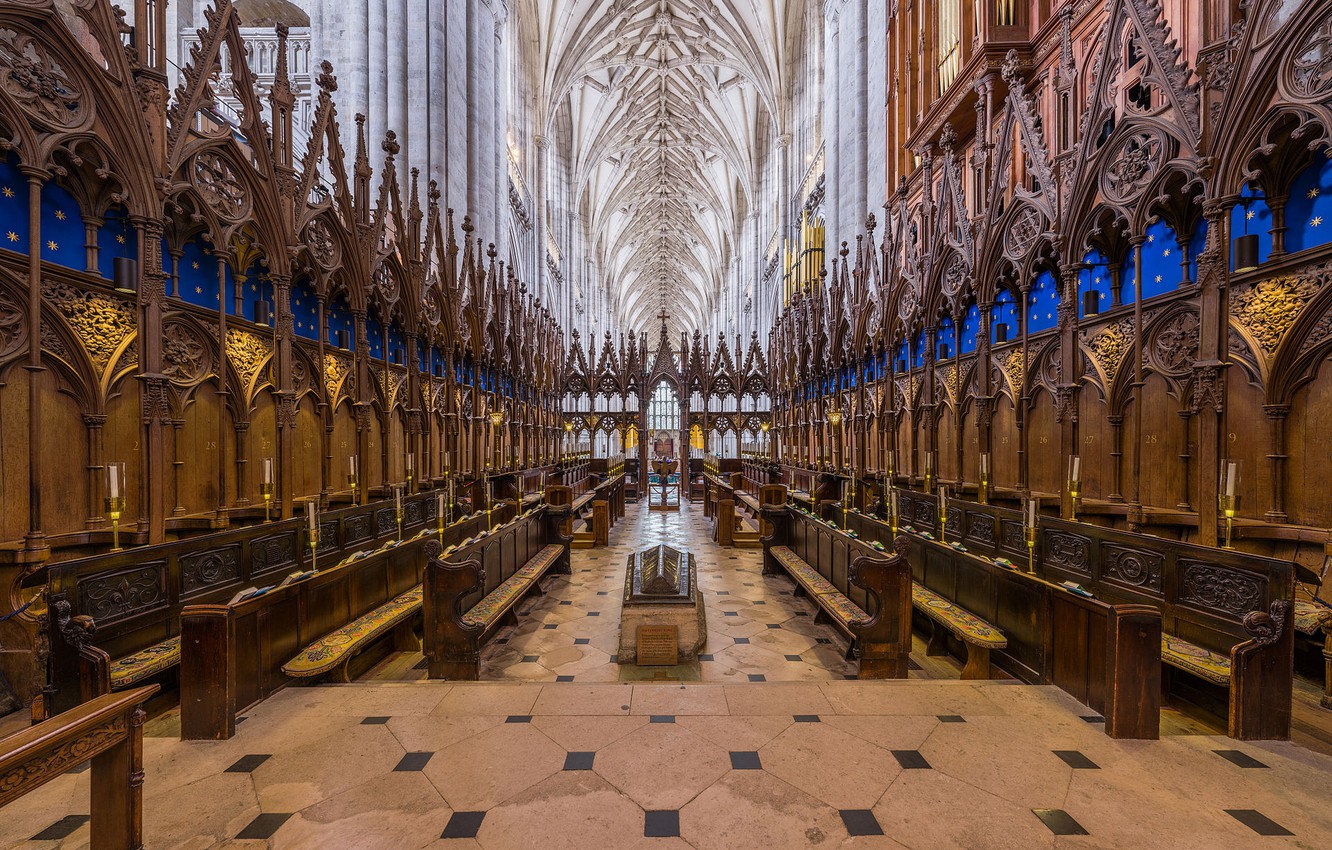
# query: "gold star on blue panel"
{"type": "Point", "coordinates": [198, 290]}
{"type": "Point", "coordinates": [12, 236]}
{"type": "Point", "coordinates": [60, 215]}
{"type": "Point", "coordinates": [8, 192]}
{"type": "Point", "coordinates": [1165, 253]}
{"type": "Point", "coordinates": [1151, 239]}
{"type": "Point", "coordinates": [1317, 220]}
{"type": "Point", "coordinates": [1158, 278]}
{"type": "Point", "coordinates": [195, 264]}
{"type": "Point", "coordinates": [1313, 193]}
{"type": "Point", "coordinates": [51, 245]}
{"type": "Point", "coordinates": [1248, 216]}
{"type": "Point", "coordinates": [120, 238]}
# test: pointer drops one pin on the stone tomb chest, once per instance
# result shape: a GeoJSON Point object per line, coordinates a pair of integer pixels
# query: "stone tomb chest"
{"type": "Point", "coordinates": [661, 601]}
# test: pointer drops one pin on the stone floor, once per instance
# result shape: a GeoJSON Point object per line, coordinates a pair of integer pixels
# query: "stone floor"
{"type": "Point", "coordinates": [722, 763]}
{"type": "Point", "coordinates": [756, 628]}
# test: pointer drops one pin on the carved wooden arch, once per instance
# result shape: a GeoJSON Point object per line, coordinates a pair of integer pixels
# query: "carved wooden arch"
{"type": "Point", "coordinates": [111, 112]}
{"type": "Point", "coordinates": [260, 220]}
{"type": "Point", "coordinates": [1258, 93]}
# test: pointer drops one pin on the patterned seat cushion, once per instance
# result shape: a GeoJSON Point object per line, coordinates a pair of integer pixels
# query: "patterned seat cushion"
{"type": "Point", "coordinates": [1310, 617]}
{"type": "Point", "coordinates": [1212, 666]}
{"type": "Point", "coordinates": [334, 648]}
{"type": "Point", "coordinates": [538, 565]}
{"type": "Point", "coordinates": [803, 572]}
{"type": "Point", "coordinates": [842, 608]}
{"type": "Point", "coordinates": [139, 666]}
{"type": "Point", "coordinates": [961, 622]}
{"type": "Point", "coordinates": [829, 597]}
{"type": "Point", "coordinates": [496, 602]}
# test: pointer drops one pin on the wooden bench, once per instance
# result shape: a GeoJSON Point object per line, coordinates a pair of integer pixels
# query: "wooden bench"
{"type": "Point", "coordinates": [471, 590]}
{"type": "Point", "coordinates": [863, 591]}
{"type": "Point", "coordinates": [133, 636]}
{"type": "Point", "coordinates": [978, 636]}
{"type": "Point", "coordinates": [1226, 644]}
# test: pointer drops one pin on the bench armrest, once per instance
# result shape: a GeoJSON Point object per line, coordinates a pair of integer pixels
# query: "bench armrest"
{"type": "Point", "coordinates": [449, 643]}
{"type": "Point", "coordinates": [883, 641]}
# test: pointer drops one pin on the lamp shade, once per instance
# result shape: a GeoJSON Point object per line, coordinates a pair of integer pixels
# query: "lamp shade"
{"type": "Point", "coordinates": [125, 274]}
{"type": "Point", "coordinates": [344, 339]}
{"type": "Point", "coordinates": [1001, 332]}
{"type": "Point", "coordinates": [943, 351]}
{"type": "Point", "coordinates": [261, 312]}
{"type": "Point", "coordinates": [1246, 252]}
{"type": "Point", "coordinates": [1091, 303]}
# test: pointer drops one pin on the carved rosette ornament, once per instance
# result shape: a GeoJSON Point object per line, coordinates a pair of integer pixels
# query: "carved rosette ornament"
{"type": "Point", "coordinates": [185, 358]}
{"type": "Point", "coordinates": [1309, 74]}
{"type": "Point", "coordinates": [219, 186]}
{"type": "Point", "coordinates": [1023, 232]}
{"type": "Point", "coordinates": [38, 83]}
{"type": "Point", "coordinates": [1133, 163]}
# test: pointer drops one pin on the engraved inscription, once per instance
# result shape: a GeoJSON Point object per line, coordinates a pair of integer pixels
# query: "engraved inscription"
{"type": "Point", "coordinates": [658, 645]}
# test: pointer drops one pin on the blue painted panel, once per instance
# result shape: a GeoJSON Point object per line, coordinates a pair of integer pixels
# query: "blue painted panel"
{"type": "Point", "coordinates": [1309, 210]}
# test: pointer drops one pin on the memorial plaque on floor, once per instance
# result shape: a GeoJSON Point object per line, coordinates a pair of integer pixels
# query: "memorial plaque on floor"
{"type": "Point", "coordinates": [658, 646]}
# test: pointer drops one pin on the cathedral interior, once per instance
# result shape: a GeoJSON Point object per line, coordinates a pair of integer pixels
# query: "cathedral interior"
{"type": "Point", "coordinates": [665, 423]}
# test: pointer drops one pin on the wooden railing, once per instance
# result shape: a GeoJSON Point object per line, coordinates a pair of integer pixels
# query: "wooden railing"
{"type": "Point", "coordinates": [109, 731]}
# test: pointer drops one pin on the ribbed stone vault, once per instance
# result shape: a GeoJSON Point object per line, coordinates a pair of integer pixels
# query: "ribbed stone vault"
{"type": "Point", "coordinates": [668, 102]}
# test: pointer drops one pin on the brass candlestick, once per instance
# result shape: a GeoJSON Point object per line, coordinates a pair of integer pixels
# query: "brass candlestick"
{"type": "Point", "coordinates": [354, 483]}
{"type": "Point", "coordinates": [314, 550]}
{"type": "Point", "coordinates": [984, 490]}
{"type": "Point", "coordinates": [399, 513]}
{"type": "Point", "coordinates": [1074, 488]}
{"type": "Point", "coordinates": [1229, 505]}
{"type": "Point", "coordinates": [115, 505]}
{"type": "Point", "coordinates": [267, 490]}
{"type": "Point", "coordinates": [1031, 548]}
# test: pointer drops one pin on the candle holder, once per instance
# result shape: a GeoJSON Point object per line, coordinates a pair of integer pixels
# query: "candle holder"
{"type": "Point", "coordinates": [1030, 534]}
{"type": "Point", "coordinates": [115, 506]}
{"type": "Point", "coordinates": [267, 490]}
{"type": "Point", "coordinates": [983, 493]}
{"type": "Point", "coordinates": [1074, 489]}
{"type": "Point", "coordinates": [399, 515]}
{"type": "Point", "coordinates": [943, 518]}
{"type": "Point", "coordinates": [314, 550]}
{"type": "Point", "coordinates": [439, 519]}
{"type": "Point", "coordinates": [1229, 506]}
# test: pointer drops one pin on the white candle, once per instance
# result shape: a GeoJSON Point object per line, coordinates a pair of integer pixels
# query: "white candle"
{"type": "Point", "coordinates": [1077, 469]}
{"type": "Point", "coordinates": [985, 464]}
{"type": "Point", "coordinates": [310, 515]}
{"type": "Point", "coordinates": [943, 497]}
{"type": "Point", "coordinates": [268, 470]}
{"type": "Point", "coordinates": [448, 462]}
{"type": "Point", "coordinates": [1031, 513]}
{"type": "Point", "coordinates": [439, 505]}
{"type": "Point", "coordinates": [397, 498]}
{"type": "Point", "coordinates": [113, 480]}
{"type": "Point", "coordinates": [1230, 478]}
{"type": "Point", "coordinates": [411, 463]}
{"type": "Point", "coordinates": [351, 465]}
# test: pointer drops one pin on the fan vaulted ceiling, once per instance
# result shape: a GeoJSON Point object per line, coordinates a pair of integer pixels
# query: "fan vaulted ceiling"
{"type": "Point", "coordinates": [664, 106]}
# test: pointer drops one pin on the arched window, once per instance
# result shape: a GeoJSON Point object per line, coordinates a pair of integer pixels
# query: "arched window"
{"type": "Point", "coordinates": [664, 409]}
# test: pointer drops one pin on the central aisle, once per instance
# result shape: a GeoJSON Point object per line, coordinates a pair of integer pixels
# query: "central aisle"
{"type": "Point", "coordinates": [757, 630]}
